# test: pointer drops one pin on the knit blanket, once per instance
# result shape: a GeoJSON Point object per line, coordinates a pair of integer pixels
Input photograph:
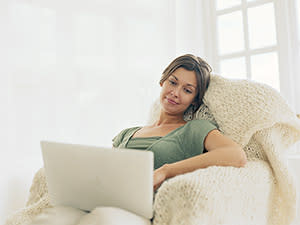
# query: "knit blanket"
{"type": "Point", "coordinates": [261, 193]}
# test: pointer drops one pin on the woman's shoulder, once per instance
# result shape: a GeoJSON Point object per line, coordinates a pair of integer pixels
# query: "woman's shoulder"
{"type": "Point", "coordinates": [197, 130]}
{"type": "Point", "coordinates": [200, 121]}
{"type": "Point", "coordinates": [127, 131]}
{"type": "Point", "coordinates": [123, 133]}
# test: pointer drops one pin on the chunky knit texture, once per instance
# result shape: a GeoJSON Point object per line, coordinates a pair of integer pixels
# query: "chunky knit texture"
{"type": "Point", "coordinates": [37, 201]}
{"type": "Point", "coordinates": [261, 193]}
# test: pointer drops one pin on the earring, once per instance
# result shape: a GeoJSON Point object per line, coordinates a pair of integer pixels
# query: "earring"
{"type": "Point", "coordinates": [189, 114]}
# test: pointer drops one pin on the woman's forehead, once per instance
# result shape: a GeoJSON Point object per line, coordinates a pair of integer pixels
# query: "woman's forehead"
{"type": "Point", "coordinates": [186, 76]}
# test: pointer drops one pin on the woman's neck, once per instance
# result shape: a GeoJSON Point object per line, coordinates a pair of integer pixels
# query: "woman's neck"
{"type": "Point", "coordinates": [165, 119]}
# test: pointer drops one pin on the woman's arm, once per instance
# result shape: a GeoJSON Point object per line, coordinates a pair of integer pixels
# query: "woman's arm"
{"type": "Point", "coordinates": [222, 151]}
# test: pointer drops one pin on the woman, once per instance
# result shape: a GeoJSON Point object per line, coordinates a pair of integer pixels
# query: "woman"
{"type": "Point", "coordinates": [178, 145]}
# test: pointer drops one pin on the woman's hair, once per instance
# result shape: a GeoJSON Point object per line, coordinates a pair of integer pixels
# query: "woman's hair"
{"type": "Point", "coordinates": [191, 63]}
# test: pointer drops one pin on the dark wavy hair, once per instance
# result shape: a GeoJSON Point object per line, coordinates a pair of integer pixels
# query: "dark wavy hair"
{"type": "Point", "coordinates": [192, 63]}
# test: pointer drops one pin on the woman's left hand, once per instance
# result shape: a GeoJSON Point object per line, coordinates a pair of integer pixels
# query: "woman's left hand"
{"type": "Point", "coordinates": [159, 176]}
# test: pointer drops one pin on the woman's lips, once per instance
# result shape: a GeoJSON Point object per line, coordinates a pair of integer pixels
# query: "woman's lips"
{"type": "Point", "coordinates": [172, 102]}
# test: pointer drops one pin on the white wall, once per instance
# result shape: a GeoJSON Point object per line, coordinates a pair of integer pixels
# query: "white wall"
{"type": "Point", "coordinates": [76, 72]}
{"type": "Point", "coordinates": [80, 72]}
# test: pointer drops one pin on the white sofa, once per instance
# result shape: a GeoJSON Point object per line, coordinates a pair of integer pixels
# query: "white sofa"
{"type": "Point", "coordinates": [261, 193]}
{"type": "Point", "coordinates": [16, 178]}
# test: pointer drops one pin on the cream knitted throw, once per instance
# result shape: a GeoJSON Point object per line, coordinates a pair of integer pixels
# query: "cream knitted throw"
{"type": "Point", "coordinates": [261, 193]}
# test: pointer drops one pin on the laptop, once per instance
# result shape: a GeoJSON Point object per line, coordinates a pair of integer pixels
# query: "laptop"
{"type": "Point", "coordinates": [86, 177]}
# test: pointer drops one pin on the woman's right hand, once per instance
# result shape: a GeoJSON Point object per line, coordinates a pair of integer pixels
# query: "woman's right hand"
{"type": "Point", "coordinates": [159, 176]}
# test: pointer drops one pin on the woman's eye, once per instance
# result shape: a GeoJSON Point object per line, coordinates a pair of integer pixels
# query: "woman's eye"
{"type": "Point", "coordinates": [188, 91]}
{"type": "Point", "coordinates": [172, 82]}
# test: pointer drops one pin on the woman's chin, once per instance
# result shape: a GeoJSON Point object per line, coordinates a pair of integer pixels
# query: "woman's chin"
{"type": "Point", "coordinates": [171, 111]}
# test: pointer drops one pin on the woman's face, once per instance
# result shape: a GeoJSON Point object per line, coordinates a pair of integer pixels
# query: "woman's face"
{"type": "Point", "coordinates": [178, 91]}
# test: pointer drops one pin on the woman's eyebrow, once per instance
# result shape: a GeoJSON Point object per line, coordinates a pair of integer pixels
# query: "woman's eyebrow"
{"type": "Point", "coordinates": [191, 86]}
{"type": "Point", "coordinates": [187, 84]}
{"type": "Point", "coordinates": [174, 76]}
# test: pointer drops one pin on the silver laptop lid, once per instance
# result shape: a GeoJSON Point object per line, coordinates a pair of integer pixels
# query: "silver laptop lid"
{"type": "Point", "coordinates": [85, 177]}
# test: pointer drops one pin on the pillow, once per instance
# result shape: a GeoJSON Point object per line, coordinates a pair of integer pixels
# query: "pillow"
{"type": "Point", "coordinates": [243, 107]}
{"type": "Point", "coordinates": [58, 215]}
{"type": "Point", "coordinates": [63, 215]}
{"type": "Point", "coordinates": [112, 216]}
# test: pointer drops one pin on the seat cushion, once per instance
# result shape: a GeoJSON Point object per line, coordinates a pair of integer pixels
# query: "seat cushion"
{"type": "Point", "coordinates": [58, 215]}
{"type": "Point", "coordinates": [112, 216]}
{"type": "Point", "coordinates": [62, 215]}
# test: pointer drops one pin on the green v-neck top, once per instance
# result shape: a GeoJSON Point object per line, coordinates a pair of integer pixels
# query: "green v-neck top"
{"type": "Point", "coordinates": [182, 143]}
{"type": "Point", "coordinates": [141, 143]}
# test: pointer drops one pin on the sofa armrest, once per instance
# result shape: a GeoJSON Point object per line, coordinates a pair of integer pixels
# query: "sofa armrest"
{"type": "Point", "coordinates": [38, 188]}
{"type": "Point", "coordinates": [37, 201]}
{"type": "Point", "coordinates": [212, 195]}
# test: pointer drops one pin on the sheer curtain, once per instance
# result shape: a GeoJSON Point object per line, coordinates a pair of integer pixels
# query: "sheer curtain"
{"type": "Point", "coordinates": [287, 13]}
{"type": "Point", "coordinates": [79, 72]}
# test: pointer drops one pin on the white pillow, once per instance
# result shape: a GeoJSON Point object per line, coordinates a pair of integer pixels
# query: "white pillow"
{"type": "Point", "coordinates": [62, 215]}
{"type": "Point", "coordinates": [112, 216]}
{"type": "Point", "coordinates": [58, 215]}
{"type": "Point", "coordinates": [243, 107]}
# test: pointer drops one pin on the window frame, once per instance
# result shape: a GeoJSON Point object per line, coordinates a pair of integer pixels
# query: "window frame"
{"type": "Point", "coordinates": [287, 46]}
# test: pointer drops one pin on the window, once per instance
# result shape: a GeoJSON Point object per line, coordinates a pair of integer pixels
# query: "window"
{"type": "Point", "coordinates": [258, 40]}
{"type": "Point", "coordinates": [246, 43]}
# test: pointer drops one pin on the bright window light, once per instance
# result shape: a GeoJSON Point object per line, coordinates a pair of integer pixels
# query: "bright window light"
{"type": "Point", "coordinates": [223, 4]}
{"type": "Point", "coordinates": [234, 68]}
{"type": "Point", "coordinates": [264, 68]}
{"type": "Point", "coordinates": [262, 31]}
{"type": "Point", "coordinates": [230, 33]}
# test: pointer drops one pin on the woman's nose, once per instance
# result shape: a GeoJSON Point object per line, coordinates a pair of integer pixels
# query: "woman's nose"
{"type": "Point", "coordinates": [176, 91]}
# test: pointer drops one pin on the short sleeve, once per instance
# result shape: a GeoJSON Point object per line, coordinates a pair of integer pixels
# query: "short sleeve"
{"type": "Point", "coordinates": [199, 129]}
{"type": "Point", "coordinates": [117, 140]}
